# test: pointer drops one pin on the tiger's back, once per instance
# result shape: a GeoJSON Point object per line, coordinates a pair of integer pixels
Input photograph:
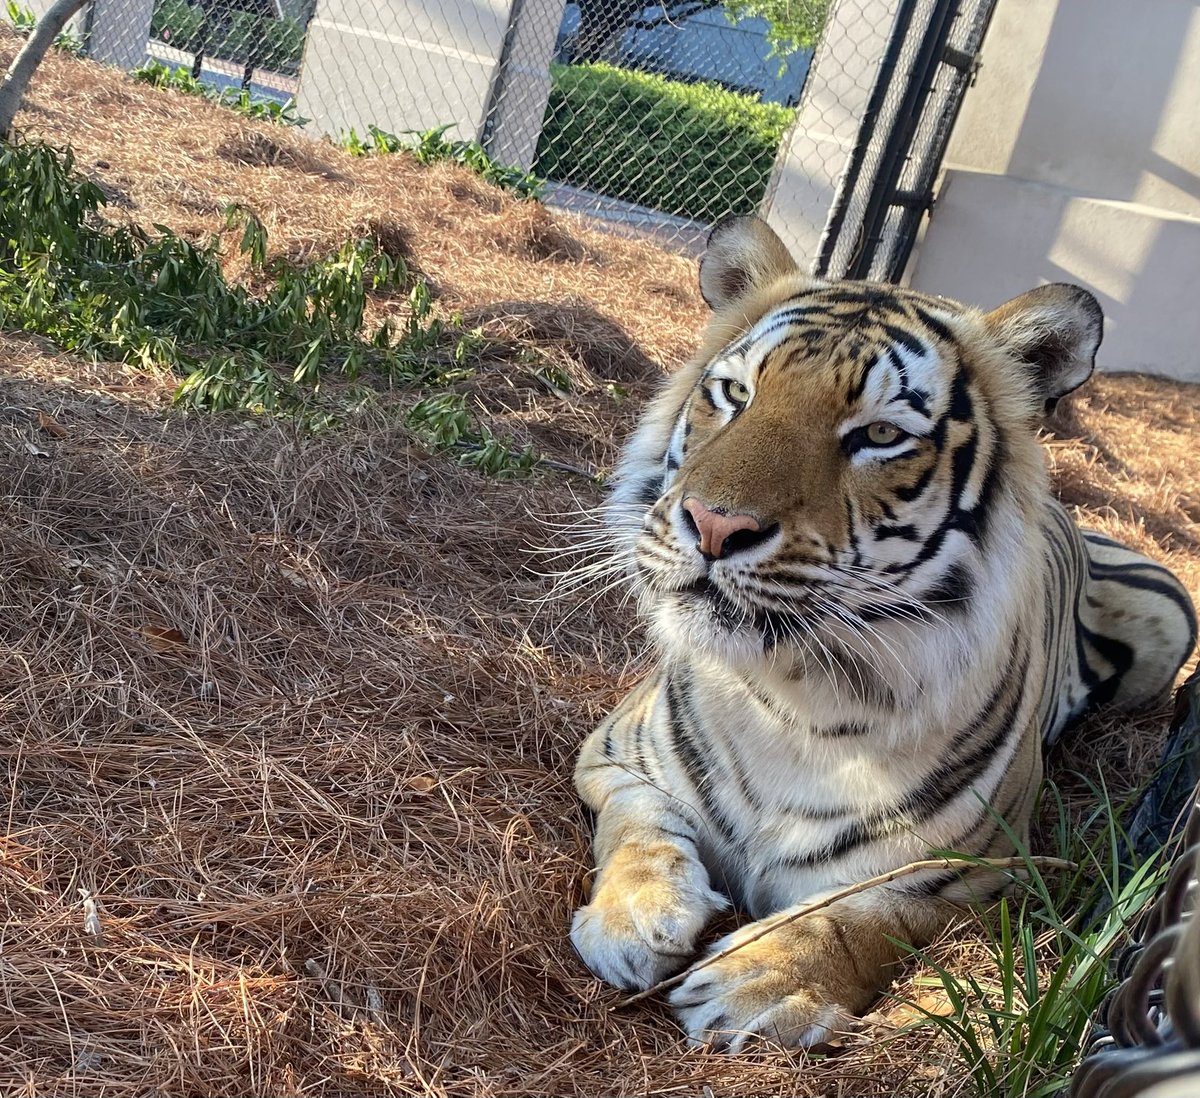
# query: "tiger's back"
{"type": "Point", "coordinates": [1127, 624]}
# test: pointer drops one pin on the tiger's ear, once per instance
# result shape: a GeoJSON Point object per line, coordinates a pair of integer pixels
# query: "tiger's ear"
{"type": "Point", "coordinates": [743, 253]}
{"type": "Point", "coordinates": [1054, 330]}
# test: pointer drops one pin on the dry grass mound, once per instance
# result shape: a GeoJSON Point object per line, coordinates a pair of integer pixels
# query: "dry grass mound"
{"type": "Point", "coordinates": [288, 735]}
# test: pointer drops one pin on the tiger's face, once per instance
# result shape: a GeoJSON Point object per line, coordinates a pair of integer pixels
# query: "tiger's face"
{"type": "Point", "coordinates": [843, 465]}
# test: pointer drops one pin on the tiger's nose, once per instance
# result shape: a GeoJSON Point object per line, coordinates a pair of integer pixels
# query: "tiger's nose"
{"type": "Point", "coordinates": [719, 534]}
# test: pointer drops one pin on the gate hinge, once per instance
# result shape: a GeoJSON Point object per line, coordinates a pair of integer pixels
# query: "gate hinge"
{"type": "Point", "coordinates": [965, 62]}
{"type": "Point", "coordinates": [911, 200]}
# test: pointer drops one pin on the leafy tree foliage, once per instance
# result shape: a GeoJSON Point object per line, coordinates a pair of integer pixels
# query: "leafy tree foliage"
{"type": "Point", "coordinates": [792, 24]}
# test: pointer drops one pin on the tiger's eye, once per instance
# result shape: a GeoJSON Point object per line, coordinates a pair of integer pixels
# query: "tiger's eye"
{"type": "Point", "coordinates": [883, 434]}
{"type": "Point", "coordinates": [736, 392]}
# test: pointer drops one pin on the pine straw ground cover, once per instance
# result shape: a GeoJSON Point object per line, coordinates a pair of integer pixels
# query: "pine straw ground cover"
{"type": "Point", "coordinates": [288, 712]}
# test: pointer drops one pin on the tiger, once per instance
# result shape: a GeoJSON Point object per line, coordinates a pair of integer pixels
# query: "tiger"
{"type": "Point", "coordinates": [868, 615]}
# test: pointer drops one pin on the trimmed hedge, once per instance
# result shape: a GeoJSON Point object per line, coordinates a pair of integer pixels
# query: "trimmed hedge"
{"type": "Point", "coordinates": [691, 149]}
{"type": "Point", "coordinates": [177, 23]}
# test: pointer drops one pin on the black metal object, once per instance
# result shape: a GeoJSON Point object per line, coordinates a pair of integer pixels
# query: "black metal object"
{"type": "Point", "coordinates": [1147, 1035]}
{"type": "Point", "coordinates": [918, 85]}
{"type": "Point", "coordinates": [847, 186]}
{"type": "Point", "coordinates": [929, 62]}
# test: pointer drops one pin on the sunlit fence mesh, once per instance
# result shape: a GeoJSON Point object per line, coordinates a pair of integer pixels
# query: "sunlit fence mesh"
{"type": "Point", "coordinates": [656, 119]}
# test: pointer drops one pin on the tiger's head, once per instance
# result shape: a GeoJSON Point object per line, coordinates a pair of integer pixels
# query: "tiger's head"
{"type": "Point", "coordinates": [845, 468]}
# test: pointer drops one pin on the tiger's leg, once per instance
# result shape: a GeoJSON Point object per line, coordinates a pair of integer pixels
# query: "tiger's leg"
{"type": "Point", "coordinates": [651, 897]}
{"type": "Point", "coordinates": [1137, 623]}
{"type": "Point", "coordinates": [803, 983]}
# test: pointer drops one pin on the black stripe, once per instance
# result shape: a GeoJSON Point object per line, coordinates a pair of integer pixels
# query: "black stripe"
{"type": "Point", "coordinates": [955, 587]}
{"type": "Point", "coordinates": [937, 327]}
{"type": "Point", "coordinates": [907, 493]}
{"type": "Point", "coordinates": [975, 520]}
{"type": "Point", "coordinates": [648, 493]}
{"type": "Point", "coordinates": [730, 756]}
{"type": "Point", "coordinates": [695, 764]}
{"type": "Point", "coordinates": [609, 746]}
{"type": "Point", "coordinates": [860, 386]}
{"type": "Point", "coordinates": [915, 399]}
{"type": "Point", "coordinates": [1101, 539]}
{"type": "Point", "coordinates": [842, 731]}
{"type": "Point", "coordinates": [907, 532]}
{"type": "Point", "coordinates": [1117, 653]}
{"type": "Point", "coordinates": [961, 406]}
{"type": "Point", "coordinates": [793, 313]}
{"type": "Point", "coordinates": [906, 340]}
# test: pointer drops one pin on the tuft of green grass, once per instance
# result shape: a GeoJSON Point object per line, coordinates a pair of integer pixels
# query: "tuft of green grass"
{"type": "Point", "coordinates": [1021, 1032]}
{"type": "Point", "coordinates": [431, 146]}
{"type": "Point", "coordinates": [158, 75]}
{"type": "Point", "coordinates": [23, 22]}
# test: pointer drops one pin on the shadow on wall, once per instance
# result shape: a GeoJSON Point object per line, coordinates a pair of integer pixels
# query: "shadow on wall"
{"type": "Point", "coordinates": [1075, 159]}
{"type": "Point", "coordinates": [1114, 104]}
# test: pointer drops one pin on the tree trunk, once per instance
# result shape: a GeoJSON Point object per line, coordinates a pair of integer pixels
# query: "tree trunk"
{"type": "Point", "coordinates": [16, 80]}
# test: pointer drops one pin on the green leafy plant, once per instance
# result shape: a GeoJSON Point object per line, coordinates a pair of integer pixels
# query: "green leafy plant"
{"type": "Point", "coordinates": [158, 75]}
{"type": "Point", "coordinates": [23, 22]}
{"type": "Point", "coordinates": [162, 302]}
{"type": "Point", "coordinates": [695, 150]}
{"type": "Point", "coordinates": [1020, 1031]}
{"type": "Point", "coordinates": [265, 110]}
{"type": "Point", "coordinates": [442, 422]}
{"type": "Point", "coordinates": [791, 24]}
{"type": "Point", "coordinates": [430, 146]}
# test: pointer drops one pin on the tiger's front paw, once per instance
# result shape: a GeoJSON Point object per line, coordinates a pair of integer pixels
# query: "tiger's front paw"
{"type": "Point", "coordinates": [785, 987]}
{"type": "Point", "coordinates": [649, 907]}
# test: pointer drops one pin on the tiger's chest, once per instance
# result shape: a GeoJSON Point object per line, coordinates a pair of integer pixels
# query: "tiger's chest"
{"type": "Point", "coordinates": [791, 806]}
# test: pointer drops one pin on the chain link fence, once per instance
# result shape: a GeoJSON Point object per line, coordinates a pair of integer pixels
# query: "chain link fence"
{"type": "Point", "coordinates": [655, 119]}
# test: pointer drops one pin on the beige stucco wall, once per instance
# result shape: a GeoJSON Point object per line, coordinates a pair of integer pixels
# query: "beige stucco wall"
{"type": "Point", "coordinates": [412, 65]}
{"type": "Point", "coordinates": [1077, 158]}
{"type": "Point", "coordinates": [815, 151]}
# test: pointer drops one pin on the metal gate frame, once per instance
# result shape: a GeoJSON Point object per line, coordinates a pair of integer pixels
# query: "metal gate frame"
{"type": "Point", "coordinates": [930, 60]}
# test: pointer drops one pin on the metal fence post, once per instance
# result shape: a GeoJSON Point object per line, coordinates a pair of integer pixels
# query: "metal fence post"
{"type": "Point", "coordinates": [521, 89]}
{"type": "Point", "coordinates": [817, 151]}
{"type": "Point", "coordinates": [117, 31]}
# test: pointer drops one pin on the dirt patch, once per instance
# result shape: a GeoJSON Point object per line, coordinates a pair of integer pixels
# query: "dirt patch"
{"type": "Point", "coordinates": [532, 231]}
{"type": "Point", "coordinates": [252, 148]}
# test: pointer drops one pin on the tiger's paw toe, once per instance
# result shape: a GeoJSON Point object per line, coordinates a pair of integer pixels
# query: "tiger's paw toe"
{"type": "Point", "coordinates": [755, 994]}
{"type": "Point", "coordinates": [632, 938]}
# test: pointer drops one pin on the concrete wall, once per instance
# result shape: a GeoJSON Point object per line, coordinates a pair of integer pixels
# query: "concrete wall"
{"type": "Point", "coordinates": [816, 150]}
{"type": "Point", "coordinates": [1076, 158]}
{"type": "Point", "coordinates": [410, 65]}
{"type": "Point", "coordinates": [119, 30]}
{"type": "Point", "coordinates": [522, 84]}
{"type": "Point", "coordinates": [401, 64]}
